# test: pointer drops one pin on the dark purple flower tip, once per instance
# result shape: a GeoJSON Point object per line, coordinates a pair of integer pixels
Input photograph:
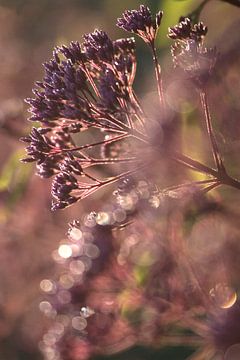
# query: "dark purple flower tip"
{"type": "Point", "coordinates": [199, 30]}
{"type": "Point", "coordinates": [27, 160]}
{"type": "Point", "coordinates": [159, 16]}
{"type": "Point", "coordinates": [25, 139]}
{"type": "Point", "coordinates": [98, 46]}
{"type": "Point", "coordinates": [141, 23]}
{"type": "Point", "coordinates": [63, 185]}
{"type": "Point", "coordinates": [185, 30]}
{"type": "Point", "coordinates": [51, 66]}
{"type": "Point", "coordinates": [111, 89]}
{"type": "Point", "coordinates": [181, 31]}
{"type": "Point", "coordinates": [38, 147]}
{"type": "Point", "coordinates": [72, 52]}
{"type": "Point", "coordinates": [49, 167]}
{"type": "Point", "coordinates": [125, 45]}
{"type": "Point", "coordinates": [71, 165]}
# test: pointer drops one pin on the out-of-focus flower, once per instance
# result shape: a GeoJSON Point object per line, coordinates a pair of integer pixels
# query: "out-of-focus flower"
{"type": "Point", "coordinates": [123, 282]}
{"type": "Point", "coordinates": [189, 52]}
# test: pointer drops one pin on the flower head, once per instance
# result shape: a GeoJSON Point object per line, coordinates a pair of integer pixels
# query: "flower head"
{"type": "Point", "coordinates": [98, 46]}
{"type": "Point", "coordinates": [85, 86]}
{"type": "Point", "coordinates": [189, 52]}
{"type": "Point", "coordinates": [141, 23]}
{"type": "Point", "coordinates": [186, 30]}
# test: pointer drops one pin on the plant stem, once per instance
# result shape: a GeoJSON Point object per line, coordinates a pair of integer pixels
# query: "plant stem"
{"type": "Point", "coordinates": [193, 183]}
{"type": "Point", "coordinates": [158, 75]}
{"type": "Point", "coordinates": [91, 145]}
{"type": "Point", "coordinates": [194, 164]}
{"type": "Point", "coordinates": [222, 177]}
{"type": "Point", "coordinates": [208, 120]}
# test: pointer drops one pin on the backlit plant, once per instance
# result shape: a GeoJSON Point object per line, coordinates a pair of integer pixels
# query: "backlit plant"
{"type": "Point", "coordinates": [128, 275]}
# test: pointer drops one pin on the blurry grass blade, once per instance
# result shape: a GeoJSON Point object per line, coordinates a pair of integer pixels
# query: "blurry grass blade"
{"type": "Point", "coordinates": [14, 177]}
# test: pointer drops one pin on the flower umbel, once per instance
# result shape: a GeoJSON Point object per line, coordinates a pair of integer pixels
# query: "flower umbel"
{"type": "Point", "coordinates": [90, 86]}
{"type": "Point", "coordinates": [85, 86]}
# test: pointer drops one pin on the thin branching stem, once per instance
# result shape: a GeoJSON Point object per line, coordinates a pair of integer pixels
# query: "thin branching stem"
{"type": "Point", "coordinates": [91, 145]}
{"type": "Point", "coordinates": [112, 160]}
{"type": "Point", "coordinates": [88, 189]}
{"type": "Point", "coordinates": [208, 120]}
{"type": "Point", "coordinates": [158, 73]}
{"type": "Point", "coordinates": [211, 187]}
{"type": "Point", "coordinates": [189, 184]}
{"type": "Point", "coordinates": [194, 164]}
{"type": "Point", "coordinates": [222, 178]}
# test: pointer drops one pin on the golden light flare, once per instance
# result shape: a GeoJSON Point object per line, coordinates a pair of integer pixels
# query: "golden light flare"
{"type": "Point", "coordinates": [223, 295]}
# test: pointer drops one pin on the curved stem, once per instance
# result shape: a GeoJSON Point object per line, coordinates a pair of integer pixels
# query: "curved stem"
{"type": "Point", "coordinates": [91, 145]}
{"type": "Point", "coordinates": [194, 164]}
{"type": "Point", "coordinates": [222, 178]}
{"type": "Point", "coordinates": [208, 120]}
{"type": "Point", "coordinates": [158, 75]}
{"type": "Point", "coordinates": [193, 183]}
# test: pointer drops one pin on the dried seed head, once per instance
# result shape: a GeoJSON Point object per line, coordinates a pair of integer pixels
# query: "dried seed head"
{"type": "Point", "coordinates": [189, 53]}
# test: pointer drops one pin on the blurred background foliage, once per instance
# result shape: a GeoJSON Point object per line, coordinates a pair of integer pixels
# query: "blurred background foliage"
{"type": "Point", "coordinates": [29, 29]}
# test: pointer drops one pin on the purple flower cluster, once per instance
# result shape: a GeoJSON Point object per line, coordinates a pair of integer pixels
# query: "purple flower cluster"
{"type": "Point", "coordinates": [85, 86]}
{"type": "Point", "coordinates": [141, 23]}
